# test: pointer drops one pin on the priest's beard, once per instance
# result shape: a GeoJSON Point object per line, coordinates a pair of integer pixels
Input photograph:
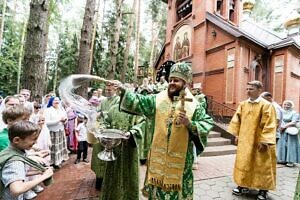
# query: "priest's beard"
{"type": "Point", "coordinates": [175, 93]}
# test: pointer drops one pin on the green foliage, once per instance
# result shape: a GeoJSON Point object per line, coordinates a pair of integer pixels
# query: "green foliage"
{"type": "Point", "coordinates": [154, 9]}
{"type": "Point", "coordinates": [66, 54]}
{"type": "Point", "coordinates": [10, 52]}
{"type": "Point", "coordinates": [145, 51]}
{"type": "Point", "coordinates": [158, 13]}
{"type": "Point", "coordinates": [54, 14]}
{"type": "Point", "coordinates": [67, 57]}
{"type": "Point", "coordinates": [8, 74]}
{"type": "Point", "coordinates": [54, 11]}
{"type": "Point", "coordinates": [101, 57]}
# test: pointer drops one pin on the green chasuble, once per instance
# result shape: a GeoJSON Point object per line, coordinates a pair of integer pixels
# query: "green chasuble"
{"type": "Point", "coordinates": [121, 180]}
{"type": "Point", "coordinates": [97, 165]}
{"type": "Point", "coordinates": [148, 128]}
{"type": "Point", "coordinates": [201, 123]}
{"type": "Point", "coordinates": [4, 141]}
{"type": "Point", "coordinates": [145, 144]}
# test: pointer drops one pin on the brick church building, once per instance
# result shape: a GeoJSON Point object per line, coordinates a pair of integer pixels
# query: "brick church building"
{"type": "Point", "coordinates": [226, 49]}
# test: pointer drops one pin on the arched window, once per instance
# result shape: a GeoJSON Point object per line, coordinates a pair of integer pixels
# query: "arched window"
{"type": "Point", "coordinates": [219, 7]}
{"type": "Point", "coordinates": [183, 8]}
{"type": "Point", "coordinates": [232, 6]}
{"type": "Point", "coordinates": [256, 67]}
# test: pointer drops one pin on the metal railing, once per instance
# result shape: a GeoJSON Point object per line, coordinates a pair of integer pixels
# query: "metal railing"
{"type": "Point", "coordinates": [221, 113]}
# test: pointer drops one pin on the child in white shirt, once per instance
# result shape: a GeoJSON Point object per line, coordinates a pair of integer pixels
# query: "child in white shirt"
{"type": "Point", "coordinates": [81, 135]}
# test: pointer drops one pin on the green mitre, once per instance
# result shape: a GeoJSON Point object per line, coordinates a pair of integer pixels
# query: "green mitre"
{"type": "Point", "coordinates": [182, 70]}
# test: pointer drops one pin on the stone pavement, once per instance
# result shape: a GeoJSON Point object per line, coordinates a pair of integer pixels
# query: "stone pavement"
{"type": "Point", "coordinates": [212, 180]}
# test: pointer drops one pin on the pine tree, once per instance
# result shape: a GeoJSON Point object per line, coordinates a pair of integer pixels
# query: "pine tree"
{"type": "Point", "coordinates": [9, 56]}
{"type": "Point", "coordinates": [35, 48]}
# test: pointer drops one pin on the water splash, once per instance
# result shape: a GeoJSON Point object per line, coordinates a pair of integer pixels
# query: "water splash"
{"type": "Point", "coordinates": [77, 102]}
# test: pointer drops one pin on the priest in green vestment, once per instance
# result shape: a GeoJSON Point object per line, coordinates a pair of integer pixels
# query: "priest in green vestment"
{"type": "Point", "coordinates": [97, 165]}
{"type": "Point", "coordinates": [148, 128]}
{"type": "Point", "coordinates": [121, 180]}
{"type": "Point", "coordinates": [145, 144]}
{"type": "Point", "coordinates": [178, 120]}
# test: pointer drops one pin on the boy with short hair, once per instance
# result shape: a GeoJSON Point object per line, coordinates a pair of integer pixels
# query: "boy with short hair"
{"type": "Point", "coordinates": [9, 116]}
{"type": "Point", "coordinates": [22, 136]}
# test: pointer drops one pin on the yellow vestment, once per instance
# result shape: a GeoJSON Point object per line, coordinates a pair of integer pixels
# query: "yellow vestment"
{"type": "Point", "coordinates": [255, 123]}
{"type": "Point", "coordinates": [168, 155]}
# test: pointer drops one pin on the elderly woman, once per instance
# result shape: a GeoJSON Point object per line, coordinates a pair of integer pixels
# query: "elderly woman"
{"type": "Point", "coordinates": [145, 87]}
{"type": "Point", "coordinates": [288, 148]}
{"type": "Point", "coordinates": [55, 118]}
{"type": "Point", "coordinates": [9, 101]}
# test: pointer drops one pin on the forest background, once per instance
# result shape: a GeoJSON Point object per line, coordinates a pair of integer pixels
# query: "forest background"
{"type": "Point", "coordinates": [43, 41]}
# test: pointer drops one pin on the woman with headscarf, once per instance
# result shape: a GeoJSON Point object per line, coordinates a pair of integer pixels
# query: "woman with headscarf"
{"type": "Point", "coordinates": [55, 118]}
{"type": "Point", "coordinates": [288, 148]}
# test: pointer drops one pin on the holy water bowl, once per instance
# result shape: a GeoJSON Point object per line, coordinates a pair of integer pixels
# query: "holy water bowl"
{"type": "Point", "coordinates": [109, 139]}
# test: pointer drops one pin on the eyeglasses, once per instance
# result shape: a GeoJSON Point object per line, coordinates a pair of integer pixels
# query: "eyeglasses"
{"type": "Point", "coordinates": [37, 107]}
{"type": "Point", "coordinates": [42, 120]}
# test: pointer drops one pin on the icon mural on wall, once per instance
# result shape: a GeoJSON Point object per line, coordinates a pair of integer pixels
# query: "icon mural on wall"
{"type": "Point", "coordinates": [181, 43]}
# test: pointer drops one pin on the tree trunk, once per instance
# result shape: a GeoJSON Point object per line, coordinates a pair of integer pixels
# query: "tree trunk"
{"type": "Point", "coordinates": [35, 47]}
{"type": "Point", "coordinates": [153, 43]}
{"type": "Point", "coordinates": [85, 43]}
{"type": "Point", "coordinates": [128, 43]}
{"type": "Point", "coordinates": [21, 57]}
{"type": "Point", "coordinates": [137, 41]}
{"type": "Point", "coordinates": [115, 44]}
{"type": "Point", "coordinates": [2, 22]}
{"type": "Point", "coordinates": [94, 34]}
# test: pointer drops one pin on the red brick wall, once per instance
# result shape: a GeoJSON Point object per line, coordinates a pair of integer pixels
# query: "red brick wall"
{"type": "Point", "coordinates": [198, 50]}
{"type": "Point", "coordinates": [215, 86]}
{"type": "Point", "coordinates": [278, 77]}
{"type": "Point", "coordinates": [244, 72]}
{"type": "Point", "coordinates": [230, 82]}
{"type": "Point", "coordinates": [292, 90]}
{"type": "Point", "coordinates": [284, 86]}
{"type": "Point", "coordinates": [199, 9]}
{"type": "Point", "coordinates": [216, 60]}
{"type": "Point", "coordinates": [221, 38]}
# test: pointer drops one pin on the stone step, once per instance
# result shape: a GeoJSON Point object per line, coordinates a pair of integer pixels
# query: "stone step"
{"type": "Point", "coordinates": [214, 134]}
{"type": "Point", "coordinates": [219, 150]}
{"type": "Point", "coordinates": [218, 141]}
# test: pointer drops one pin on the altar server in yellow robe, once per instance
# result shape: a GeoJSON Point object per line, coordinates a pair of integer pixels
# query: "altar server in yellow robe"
{"type": "Point", "coordinates": [254, 126]}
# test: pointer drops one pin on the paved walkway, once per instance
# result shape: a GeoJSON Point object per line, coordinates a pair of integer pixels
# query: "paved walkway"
{"type": "Point", "coordinates": [212, 180]}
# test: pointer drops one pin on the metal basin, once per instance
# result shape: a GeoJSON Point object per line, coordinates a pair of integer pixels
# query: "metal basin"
{"type": "Point", "coordinates": [109, 139]}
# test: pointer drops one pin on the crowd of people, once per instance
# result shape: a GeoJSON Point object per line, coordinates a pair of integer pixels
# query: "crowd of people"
{"type": "Point", "coordinates": [154, 117]}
